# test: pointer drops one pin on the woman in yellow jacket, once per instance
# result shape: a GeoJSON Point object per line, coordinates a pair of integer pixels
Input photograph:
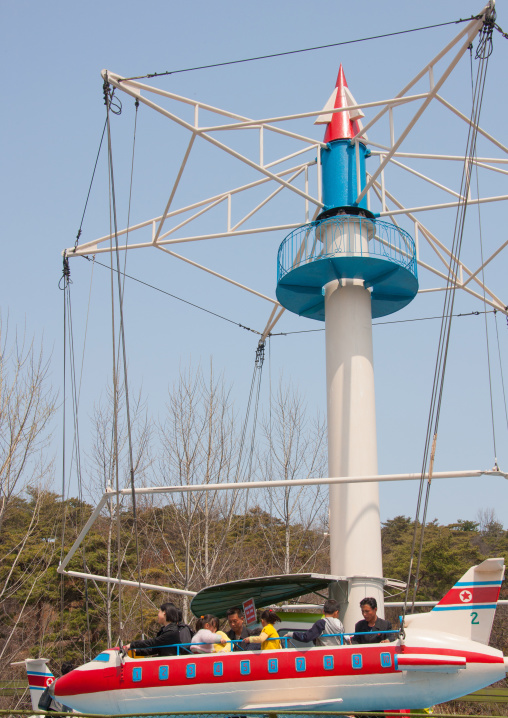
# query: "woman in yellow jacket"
{"type": "Point", "coordinates": [268, 618]}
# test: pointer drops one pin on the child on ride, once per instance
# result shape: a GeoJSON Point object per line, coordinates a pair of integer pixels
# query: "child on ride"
{"type": "Point", "coordinates": [207, 634]}
{"type": "Point", "coordinates": [268, 618]}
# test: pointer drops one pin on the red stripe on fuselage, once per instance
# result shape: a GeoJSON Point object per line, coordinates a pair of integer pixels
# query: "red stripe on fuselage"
{"type": "Point", "coordinates": [463, 595]}
{"type": "Point", "coordinates": [110, 678]}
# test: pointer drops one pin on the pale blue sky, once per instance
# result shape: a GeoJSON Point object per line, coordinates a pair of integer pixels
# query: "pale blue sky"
{"type": "Point", "coordinates": [52, 118]}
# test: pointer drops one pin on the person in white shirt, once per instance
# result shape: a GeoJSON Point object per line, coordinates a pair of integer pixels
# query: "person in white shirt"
{"type": "Point", "coordinates": [206, 633]}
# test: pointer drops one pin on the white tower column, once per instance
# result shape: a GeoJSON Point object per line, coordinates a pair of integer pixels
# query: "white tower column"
{"type": "Point", "coordinates": [355, 534]}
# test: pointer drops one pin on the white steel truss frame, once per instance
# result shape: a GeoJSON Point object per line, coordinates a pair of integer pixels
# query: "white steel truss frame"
{"type": "Point", "coordinates": [284, 180]}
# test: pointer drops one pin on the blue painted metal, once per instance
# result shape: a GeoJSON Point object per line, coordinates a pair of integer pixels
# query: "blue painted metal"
{"type": "Point", "coordinates": [318, 252]}
{"type": "Point", "coordinates": [338, 162]}
{"type": "Point", "coordinates": [300, 664]}
{"type": "Point", "coordinates": [386, 660]}
{"type": "Point", "coordinates": [328, 663]}
{"type": "Point", "coordinates": [357, 661]}
{"type": "Point", "coordinates": [273, 665]}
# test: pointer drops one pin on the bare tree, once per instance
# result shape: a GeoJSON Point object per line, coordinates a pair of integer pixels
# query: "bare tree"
{"type": "Point", "coordinates": [109, 455]}
{"type": "Point", "coordinates": [198, 444]}
{"type": "Point", "coordinates": [295, 448]}
{"type": "Point", "coordinates": [488, 523]}
{"type": "Point", "coordinates": [27, 405]}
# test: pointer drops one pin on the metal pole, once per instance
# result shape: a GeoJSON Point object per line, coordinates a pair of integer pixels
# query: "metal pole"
{"type": "Point", "coordinates": [355, 533]}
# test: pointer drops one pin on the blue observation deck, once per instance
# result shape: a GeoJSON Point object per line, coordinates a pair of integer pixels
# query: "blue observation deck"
{"type": "Point", "coordinates": [346, 246]}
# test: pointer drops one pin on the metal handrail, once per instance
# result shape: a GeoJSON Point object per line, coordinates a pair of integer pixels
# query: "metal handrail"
{"type": "Point", "coordinates": [283, 639]}
{"type": "Point", "coordinates": [338, 236]}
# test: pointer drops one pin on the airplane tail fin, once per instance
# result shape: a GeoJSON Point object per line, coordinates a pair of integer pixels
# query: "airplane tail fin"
{"type": "Point", "coordinates": [39, 677]}
{"type": "Point", "coordinates": [468, 608]}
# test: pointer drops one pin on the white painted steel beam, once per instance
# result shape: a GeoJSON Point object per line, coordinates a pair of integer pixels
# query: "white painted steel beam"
{"type": "Point", "coordinates": [388, 604]}
{"type": "Point", "coordinates": [471, 30]}
{"type": "Point", "coordinates": [174, 188]}
{"type": "Point", "coordinates": [122, 582]}
{"type": "Point", "coordinates": [447, 205]}
{"type": "Point", "coordinates": [303, 115]}
{"type": "Point", "coordinates": [423, 156]}
{"type": "Point", "coordinates": [219, 276]}
{"type": "Point", "coordinates": [427, 179]}
{"type": "Point", "coordinates": [468, 121]}
{"type": "Point", "coordinates": [248, 485]}
{"type": "Point", "coordinates": [229, 150]}
{"type": "Point", "coordinates": [495, 301]}
{"type": "Point", "coordinates": [86, 528]}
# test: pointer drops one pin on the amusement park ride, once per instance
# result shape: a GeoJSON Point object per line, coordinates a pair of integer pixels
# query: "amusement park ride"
{"type": "Point", "coordinates": [345, 267]}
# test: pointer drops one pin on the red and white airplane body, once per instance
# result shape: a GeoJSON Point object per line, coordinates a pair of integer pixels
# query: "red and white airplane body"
{"type": "Point", "coordinates": [443, 655]}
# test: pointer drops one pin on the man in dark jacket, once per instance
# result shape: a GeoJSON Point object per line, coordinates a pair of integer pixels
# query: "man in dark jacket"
{"type": "Point", "coordinates": [170, 635]}
{"type": "Point", "coordinates": [371, 628]}
{"type": "Point", "coordinates": [238, 630]}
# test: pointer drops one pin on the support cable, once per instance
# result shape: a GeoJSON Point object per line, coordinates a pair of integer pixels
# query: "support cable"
{"type": "Point", "coordinates": [305, 49]}
{"type": "Point", "coordinates": [486, 43]}
{"type": "Point", "coordinates": [396, 321]}
{"type": "Point", "coordinates": [114, 453]}
{"type": "Point", "coordinates": [174, 296]}
{"type": "Point", "coordinates": [64, 282]}
{"type": "Point", "coordinates": [501, 372]}
{"type": "Point", "coordinates": [64, 285]}
{"type": "Point", "coordinates": [444, 338]}
{"type": "Point", "coordinates": [258, 366]}
{"type": "Point", "coordinates": [78, 235]}
{"type": "Point", "coordinates": [107, 100]}
{"type": "Point", "coordinates": [136, 105]}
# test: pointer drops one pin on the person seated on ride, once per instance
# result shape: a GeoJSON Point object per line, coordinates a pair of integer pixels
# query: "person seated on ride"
{"type": "Point", "coordinates": [238, 630]}
{"type": "Point", "coordinates": [166, 640]}
{"type": "Point", "coordinates": [372, 627]}
{"type": "Point", "coordinates": [330, 624]}
{"type": "Point", "coordinates": [268, 631]}
{"type": "Point", "coordinates": [208, 634]}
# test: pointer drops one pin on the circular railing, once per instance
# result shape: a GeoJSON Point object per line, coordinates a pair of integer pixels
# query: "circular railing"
{"type": "Point", "coordinates": [348, 236]}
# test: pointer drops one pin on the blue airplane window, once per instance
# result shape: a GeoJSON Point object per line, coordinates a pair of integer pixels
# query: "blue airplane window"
{"type": "Point", "coordinates": [356, 660]}
{"type": "Point", "coordinates": [245, 668]}
{"type": "Point", "coordinates": [103, 657]}
{"type": "Point", "coordinates": [163, 673]}
{"type": "Point", "coordinates": [300, 664]}
{"type": "Point", "coordinates": [218, 669]}
{"type": "Point", "coordinates": [137, 674]}
{"type": "Point", "coordinates": [386, 660]}
{"type": "Point", "coordinates": [273, 665]}
{"type": "Point", "coordinates": [328, 663]}
{"type": "Point", "coordinates": [190, 670]}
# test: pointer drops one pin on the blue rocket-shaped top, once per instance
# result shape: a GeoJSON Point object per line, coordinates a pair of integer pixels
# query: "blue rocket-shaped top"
{"type": "Point", "coordinates": [339, 160]}
{"type": "Point", "coordinates": [345, 241]}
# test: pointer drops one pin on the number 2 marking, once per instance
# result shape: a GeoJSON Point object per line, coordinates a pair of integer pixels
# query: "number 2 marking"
{"type": "Point", "coordinates": [474, 618]}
